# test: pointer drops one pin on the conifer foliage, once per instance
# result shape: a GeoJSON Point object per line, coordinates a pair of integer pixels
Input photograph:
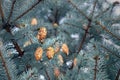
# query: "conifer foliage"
{"type": "Point", "coordinates": [59, 40]}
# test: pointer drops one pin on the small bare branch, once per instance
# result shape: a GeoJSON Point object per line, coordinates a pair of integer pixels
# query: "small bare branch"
{"type": "Point", "coordinates": [17, 47]}
{"type": "Point", "coordinates": [1, 12]}
{"type": "Point", "coordinates": [5, 66]}
{"type": "Point", "coordinates": [11, 11]}
{"type": "Point", "coordinates": [87, 29]}
{"type": "Point", "coordinates": [118, 75]}
{"type": "Point", "coordinates": [47, 75]}
{"type": "Point", "coordinates": [96, 58]}
{"type": "Point", "coordinates": [94, 5]}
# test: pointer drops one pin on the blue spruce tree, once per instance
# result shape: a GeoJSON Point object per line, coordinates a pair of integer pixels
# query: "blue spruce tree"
{"type": "Point", "coordinates": [59, 40]}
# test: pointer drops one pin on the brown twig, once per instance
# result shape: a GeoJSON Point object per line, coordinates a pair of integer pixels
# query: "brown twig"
{"type": "Point", "coordinates": [1, 12]}
{"type": "Point", "coordinates": [92, 12]}
{"type": "Point", "coordinates": [96, 58]}
{"type": "Point", "coordinates": [17, 47]}
{"type": "Point", "coordinates": [5, 66]}
{"type": "Point", "coordinates": [11, 11]}
{"type": "Point", "coordinates": [30, 76]}
{"type": "Point", "coordinates": [56, 16]}
{"type": "Point", "coordinates": [27, 10]}
{"type": "Point", "coordinates": [110, 51]}
{"type": "Point", "coordinates": [87, 29]}
{"type": "Point", "coordinates": [118, 75]}
{"type": "Point", "coordinates": [104, 28]}
{"type": "Point", "coordinates": [47, 75]}
{"type": "Point", "coordinates": [84, 37]}
{"type": "Point", "coordinates": [7, 28]}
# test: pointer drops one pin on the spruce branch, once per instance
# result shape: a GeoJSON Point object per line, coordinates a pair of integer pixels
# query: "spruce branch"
{"type": "Point", "coordinates": [65, 31]}
{"type": "Point", "coordinates": [26, 35]}
{"type": "Point", "coordinates": [110, 51]}
{"type": "Point", "coordinates": [1, 12]}
{"type": "Point", "coordinates": [108, 31]}
{"type": "Point", "coordinates": [110, 64]}
{"type": "Point", "coordinates": [101, 13]}
{"type": "Point", "coordinates": [5, 66]}
{"type": "Point", "coordinates": [34, 5]}
{"type": "Point", "coordinates": [11, 11]}
{"type": "Point", "coordinates": [96, 58]}
{"type": "Point", "coordinates": [113, 5]}
{"type": "Point", "coordinates": [118, 75]}
{"type": "Point", "coordinates": [27, 68]}
{"type": "Point", "coordinates": [114, 21]}
{"type": "Point", "coordinates": [81, 12]}
{"type": "Point", "coordinates": [72, 25]}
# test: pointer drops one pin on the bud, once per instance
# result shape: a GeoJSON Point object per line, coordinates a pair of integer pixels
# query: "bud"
{"type": "Point", "coordinates": [55, 24]}
{"type": "Point", "coordinates": [42, 33]}
{"type": "Point", "coordinates": [60, 58]}
{"type": "Point", "coordinates": [38, 53]}
{"type": "Point", "coordinates": [27, 43]}
{"type": "Point", "coordinates": [34, 21]}
{"type": "Point", "coordinates": [75, 62]}
{"type": "Point", "coordinates": [56, 72]}
{"type": "Point", "coordinates": [57, 49]}
{"type": "Point", "coordinates": [65, 49]}
{"type": "Point", "coordinates": [50, 52]}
